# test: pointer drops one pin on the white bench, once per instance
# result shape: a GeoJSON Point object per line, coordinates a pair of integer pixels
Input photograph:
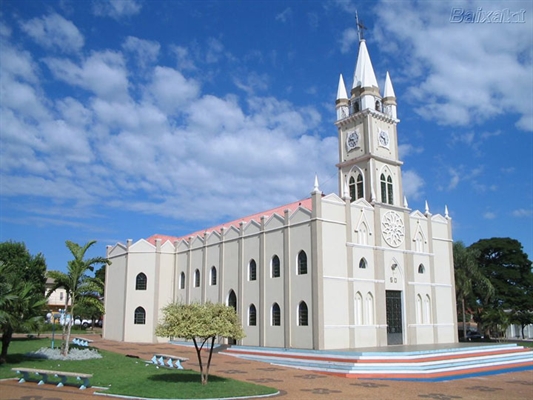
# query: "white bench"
{"type": "Point", "coordinates": [82, 341]}
{"type": "Point", "coordinates": [171, 361]}
{"type": "Point", "coordinates": [45, 373]}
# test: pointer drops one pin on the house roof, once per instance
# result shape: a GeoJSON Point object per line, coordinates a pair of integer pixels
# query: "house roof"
{"type": "Point", "coordinates": [305, 203]}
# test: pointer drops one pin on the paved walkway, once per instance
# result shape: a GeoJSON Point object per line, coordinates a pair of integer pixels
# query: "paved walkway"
{"type": "Point", "coordinates": [296, 384]}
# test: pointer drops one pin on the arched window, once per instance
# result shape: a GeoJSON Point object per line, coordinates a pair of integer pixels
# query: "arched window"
{"type": "Point", "coordinates": [362, 234]}
{"type": "Point", "coordinates": [356, 107]}
{"type": "Point", "coordinates": [140, 316]}
{"type": "Point", "coordinates": [197, 278]}
{"type": "Point", "coordinates": [351, 185]}
{"type": "Point", "coordinates": [362, 263]}
{"type": "Point", "coordinates": [427, 309]}
{"type": "Point", "coordinates": [369, 309]}
{"type": "Point", "coordinates": [213, 276]}
{"type": "Point", "coordinates": [140, 282]}
{"type": "Point", "coordinates": [360, 186]}
{"type": "Point", "coordinates": [419, 309]}
{"type": "Point", "coordinates": [252, 270]}
{"type": "Point", "coordinates": [182, 280]}
{"type": "Point", "coordinates": [358, 309]}
{"type": "Point", "coordinates": [302, 263]}
{"type": "Point", "coordinates": [389, 190]}
{"type": "Point", "coordinates": [232, 300]}
{"type": "Point", "coordinates": [421, 269]}
{"type": "Point", "coordinates": [303, 319]}
{"type": "Point", "coordinates": [378, 105]}
{"type": "Point", "coordinates": [276, 270]}
{"type": "Point", "coordinates": [276, 315]}
{"type": "Point", "coordinates": [386, 189]}
{"type": "Point", "coordinates": [252, 315]}
{"type": "Point", "coordinates": [356, 187]}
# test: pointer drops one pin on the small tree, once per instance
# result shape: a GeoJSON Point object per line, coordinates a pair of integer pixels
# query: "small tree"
{"type": "Point", "coordinates": [200, 323]}
{"type": "Point", "coordinates": [75, 280]}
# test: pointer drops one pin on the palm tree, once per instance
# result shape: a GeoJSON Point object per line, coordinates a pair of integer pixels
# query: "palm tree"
{"type": "Point", "coordinates": [21, 307]}
{"type": "Point", "coordinates": [74, 281]}
{"type": "Point", "coordinates": [467, 271]}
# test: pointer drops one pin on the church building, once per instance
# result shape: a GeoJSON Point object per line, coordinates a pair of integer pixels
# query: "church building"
{"type": "Point", "coordinates": [349, 270]}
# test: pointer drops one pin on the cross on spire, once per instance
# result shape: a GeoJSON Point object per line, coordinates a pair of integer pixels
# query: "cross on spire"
{"type": "Point", "coordinates": [360, 27]}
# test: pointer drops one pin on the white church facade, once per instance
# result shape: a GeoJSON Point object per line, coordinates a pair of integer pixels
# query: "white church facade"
{"type": "Point", "coordinates": [350, 270]}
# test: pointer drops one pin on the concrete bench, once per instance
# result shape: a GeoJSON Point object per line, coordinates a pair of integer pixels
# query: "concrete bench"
{"type": "Point", "coordinates": [60, 374]}
{"type": "Point", "coordinates": [171, 361]}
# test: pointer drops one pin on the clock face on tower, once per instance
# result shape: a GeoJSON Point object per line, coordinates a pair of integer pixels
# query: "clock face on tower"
{"type": "Point", "coordinates": [383, 138]}
{"type": "Point", "coordinates": [352, 140]}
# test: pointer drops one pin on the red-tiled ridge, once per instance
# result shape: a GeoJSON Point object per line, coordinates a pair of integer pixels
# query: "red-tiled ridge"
{"type": "Point", "coordinates": [305, 203]}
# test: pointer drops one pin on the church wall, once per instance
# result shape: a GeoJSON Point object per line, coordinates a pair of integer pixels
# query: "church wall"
{"type": "Point", "coordinates": [274, 293]}
{"type": "Point", "coordinates": [212, 260]}
{"type": "Point", "coordinates": [300, 288]}
{"type": "Point", "coordinates": [115, 298]}
{"type": "Point", "coordinates": [166, 281]}
{"type": "Point", "coordinates": [251, 250]}
{"type": "Point", "coordinates": [336, 285]}
{"type": "Point", "coordinates": [143, 260]}
{"type": "Point", "coordinates": [231, 273]}
{"type": "Point", "coordinates": [197, 262]}
{"type": "Point", "coordinates": [182, 266]}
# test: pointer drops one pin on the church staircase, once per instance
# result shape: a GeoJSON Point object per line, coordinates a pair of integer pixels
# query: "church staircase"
{"type": "Point", "coordinates": [413, 363]}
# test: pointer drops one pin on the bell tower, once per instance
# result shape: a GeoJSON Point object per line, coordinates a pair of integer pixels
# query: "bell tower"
{"type": "Point", "coordinates": [369, 166]}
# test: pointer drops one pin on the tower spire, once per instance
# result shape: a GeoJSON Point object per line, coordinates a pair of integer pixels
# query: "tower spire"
{"type": "Point", "coordinates": [364, 76]}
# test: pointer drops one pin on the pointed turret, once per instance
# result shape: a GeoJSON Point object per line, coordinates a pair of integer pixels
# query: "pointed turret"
{"type": "Point", "coordinates": [341, 104]}
{"type": "Point", "coordinates": [365, 90]}
{"type": "Point", "coordinates": [389, 98]}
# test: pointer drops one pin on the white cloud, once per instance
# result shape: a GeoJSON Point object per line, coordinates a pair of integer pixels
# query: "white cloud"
{"type": "Point", "coordinates": [492, 74]}
{"type": "Point", "coordinates": [183, 57]}
{"type": "Point", "coordinates": [284, 15]}
{"type": "Point", "coordinates": [146, 51]}
{"type": "Point", "coordinates": [54, 32]}
{"type": "Point", "coordinates": [522, 213]}
{"type": "Point", "coordinates": [405, 150]}
{"type": "Point", "coordinates": [348, 40]}
{"type": "Point", "coordinates": [412, 185]}
{"type": "Point", "coordinates": [116, 8]}
{"type": "Point", "coordinates": [489, 215]}
{"type": "Point", "coordinates": [103, 73]}
{"type": "Point", "coordinates": [171, 90]}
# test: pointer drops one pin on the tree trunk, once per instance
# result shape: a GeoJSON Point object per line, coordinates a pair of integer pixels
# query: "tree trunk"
{"type": "Point", "coordinates": [464, 317]}
{"type": "Point", "coordinates": [209, 359]}
{"type": "Point", "coordinates": [69, 327]}
{"type": "Point", "coordinates": [199, 355]}
{"type": "Point", "coordinates": [6, 340]}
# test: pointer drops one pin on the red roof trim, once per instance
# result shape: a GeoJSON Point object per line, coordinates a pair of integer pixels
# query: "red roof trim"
{"type": "Point", "coordinates": [306, 203]}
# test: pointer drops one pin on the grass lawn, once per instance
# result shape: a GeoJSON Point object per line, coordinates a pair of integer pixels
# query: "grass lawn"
{"type": "Point", "coordinates": [130, 376]}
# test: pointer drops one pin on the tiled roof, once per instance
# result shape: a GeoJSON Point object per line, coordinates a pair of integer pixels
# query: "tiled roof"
{"type": "Point", "coordinates": [306, 203]}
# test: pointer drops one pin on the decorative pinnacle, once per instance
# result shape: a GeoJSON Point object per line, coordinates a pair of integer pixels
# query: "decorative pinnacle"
{"type": "Point", "coordinates": [405, 202]}
{"type": "Point", "coordinates": [316, 188]}
{"type": "Point", "coordinates": [427, 208]}
{"type": "Point", "coordinates": [446, 212]}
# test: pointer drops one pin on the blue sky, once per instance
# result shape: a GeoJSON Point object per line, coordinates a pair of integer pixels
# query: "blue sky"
{"type": "Point", "coordinates": [122, 119]}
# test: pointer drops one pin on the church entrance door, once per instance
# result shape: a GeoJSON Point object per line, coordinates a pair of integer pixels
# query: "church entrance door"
{"type": "Point", "coordinates": [394, 317]}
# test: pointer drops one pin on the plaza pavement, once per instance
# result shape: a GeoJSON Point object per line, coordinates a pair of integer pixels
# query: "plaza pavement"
{"type": "Point", "coordinates": [293, 383]}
